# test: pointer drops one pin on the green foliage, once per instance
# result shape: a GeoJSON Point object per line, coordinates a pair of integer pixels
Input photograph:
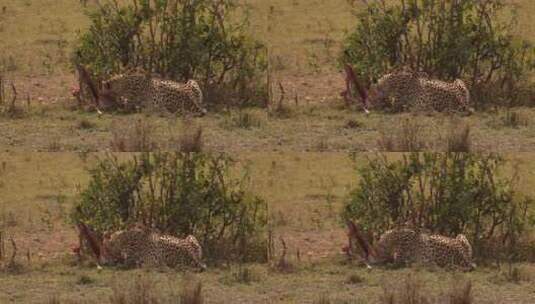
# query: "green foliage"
{"type": "Point", "coordinates": [180, 40]}
{"type": "Point", "coordinates": [466, 39]}
{"type": "Point", "coordinates": [179, 194]}
{"type": "Point", "coordinates": [447, 193]}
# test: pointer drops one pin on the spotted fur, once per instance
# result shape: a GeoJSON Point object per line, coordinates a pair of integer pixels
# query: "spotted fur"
{"type": "Point", "coordinates": [407, 90]}
{"type": "Point", "coordinates": [137, 247]}
{"type": "Point", "coordinates": [405, 246]}
{"type": "Point", "coordinates": [137, 90]}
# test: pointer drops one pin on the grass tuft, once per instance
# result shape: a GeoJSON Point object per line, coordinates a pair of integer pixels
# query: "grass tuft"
{"type": "Point", "coordinates": [85, 280]}
{"type": "Point", "coordinates": [407, 137]}
{"type": "Point", "coordinates": [410, 291]}
{"type": "Point", "coordinates": [192, 294]}
{"type": "Point", "coordinates": [133, 137]}
{"type": "Point", "coordinates": [191, 140]}
{"type": "Point", "coordinates": [458, 138]}
{"type": "Point", "coordinates": [355, 279]}
{"type": "Point", "coordinates": [85, 124]}
{"type": "Point", "coordinates": [245, 119]}
{"type": "Point", "coordinates": [353, 124]}
{"type": "Point", "coordinates": [515, 119]}
{"type": "Point", "coordinates": [461, 293]}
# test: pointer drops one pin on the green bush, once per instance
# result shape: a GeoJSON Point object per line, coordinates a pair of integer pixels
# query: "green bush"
{"type": "Point", "coordinates": [179, 194]}
{"type": "Point", "coordinates": [467, 39]}
{"type": "Point", "coordinates": [447, 193]}
{"type": "Point", "coordinates": [179, 40]}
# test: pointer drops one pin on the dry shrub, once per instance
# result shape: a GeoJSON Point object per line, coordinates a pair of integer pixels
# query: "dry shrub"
{"type": "Point", "coordinates": [245, 119]}
{"type": "Point", "coordinates": [355, 279]}
{"type": "Point", "coordinates": [179, 40]}
{"type": "Point", "coordinates": [353, 124]}
{"type": "Point", "coordinates": [245, 275]}
{"type": "Point", "coordinates": [445, 193]}
{"type": "Point", "coordinates": [458, 137]}
{"type": "Point", "coordinates": [53, 300]}
{"type": "Point", "coordinates": [515, 119]}
{"type": "Point", "coordinates": [8, 257]}
{"type": "Point", "coordinates": [136, 137]}
{"type": "Point", "coordinates": [467, 39]}
{"type": "Point", "coordinates": [192, 293]}
{"type": "Point", "coordinates": [141, 290]}
{"type": "Point", "coordinates": [321, 144]}
{"type": "Point", "coordinates": [85, 124]}
{"type": "Point", "coordinates": [410, 291]}
{"type": "Point", "coordinates": [178, 194]}
{"type": "Point", "coordinates": [56, 299]}
{"type": "Point", "coordinates": [283, 264]}
{"type": "Point", "coordinates": [407, 137]}
{"type": "Point", "coordinates": [517, 274]}
{"type": "Point", "coordinates": [54, 144]}
{"type": "Point", "coordinates": [191, 140]}
{"type": "Point", "coordinates": [279, 109]}
{"type": "Point", "coordinates": [9, 107]}
{"type": "Point", "coordinates": [323, 299]}
{"type": "Point", "coordinates": [461, 293]}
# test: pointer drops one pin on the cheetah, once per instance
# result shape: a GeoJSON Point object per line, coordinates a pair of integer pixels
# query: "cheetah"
{"type": "Point", "coordinates": [141, 247]}
{"type": "Point", "coordinates": [135, 90]}
{"type": "Point", "coordinates": [404, 89]}
{"type": "Point", "coordinates": [405, 246]}
{"type": "Point", "coordinates": [408, 90]}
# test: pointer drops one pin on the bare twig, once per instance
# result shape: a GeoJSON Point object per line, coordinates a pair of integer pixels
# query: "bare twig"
{"type": "Point", "coordinates": [14, 253]}
{"type": "Point", "coordinates": [270, 245]}
{"type": "Point", "coordinates": [2, 248]}
{"type": "Point", "coordinates": [269, 85]}
{"type": "Point", "coordinates": [281, 99]}
{"type": "Point", "coordinates": [1, 90]}
{"type": "Point", "coordinates": [283, 263]}
{"type": "Point", "coordinates": [12, 108]}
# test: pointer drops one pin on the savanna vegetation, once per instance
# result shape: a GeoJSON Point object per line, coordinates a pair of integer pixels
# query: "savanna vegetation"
{"type": "Point", "coordinates": [281, 66]}
{"type": "Point", "coordinates": [305, 195]}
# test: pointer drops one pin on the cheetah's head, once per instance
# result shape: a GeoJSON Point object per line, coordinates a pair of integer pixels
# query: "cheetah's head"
{"type": "Point", "coordinates": [116, 88]}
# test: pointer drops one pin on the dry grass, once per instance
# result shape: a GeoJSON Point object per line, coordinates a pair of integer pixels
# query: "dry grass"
{"type": "Point", "coordinates": [245, 119]}
{"type": "Point", "coordinates": [515, 119]}
{"type": "Point", "coordinates": [410, 291]}
{"type": "Point", "coordinates": [458, 138]}
{"type": "Point", "coordinates": [461, 293]}
{"type": "Point", "coordinates": [133, 136]}
{"type": "Point", "coordinates": [10, 105]}
{"type": "Point", "coordinates": [141, 290]}
{"type": "Point", "coordinates": [10, 255]}
{"type": "Point", "coordinates": [413, 291]}
{"type": "Point", "coordinates": [405, 137]}
{"type": "Point", "coordinates": [85, 124]}
{"type": "Point", "coordinates": [191, 140]}
{"type": "Point", "coordinates": [192, 293]}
